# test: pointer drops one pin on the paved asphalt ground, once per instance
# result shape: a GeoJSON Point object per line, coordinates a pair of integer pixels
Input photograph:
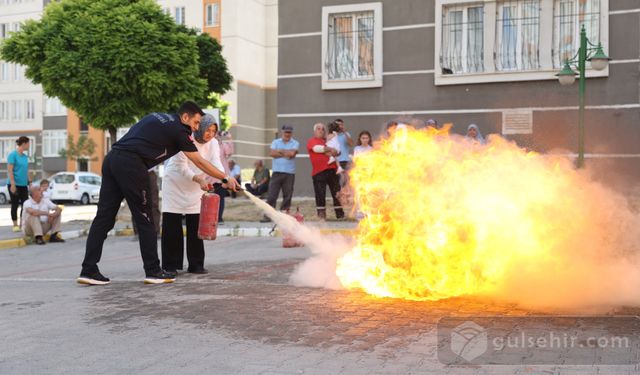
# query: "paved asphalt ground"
{"type": "Point", "coordinates": [242, 318]}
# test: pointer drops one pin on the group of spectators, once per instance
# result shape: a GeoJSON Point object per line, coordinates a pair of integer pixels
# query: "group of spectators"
{"type": "Point", "coordinates": [330, 151]}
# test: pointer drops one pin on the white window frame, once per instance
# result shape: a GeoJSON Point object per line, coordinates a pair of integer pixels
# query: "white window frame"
{"type": "Point", "coordinates": [214, 21]}
{"type": "Point", "coordinates": [182, 11]}
{"type": "Point", "coordinates": [376, 80]}
{"type": "Point", "coordinates": [16, 110]}
{"type": "Point", "coordinates": [547, 71]}
{"type": "Point", "coordinates": [29, 109]}
{"type": "Point", "coordinates": [4, 110]}
{"type": "Point", "coordinates": [519, 6]}
{"type": "Point", "coordinates": [52, 142]}
{"type": "Point", "coordinates": [54, 107]}
{"type": "Point", "coordinates": [5, 75]}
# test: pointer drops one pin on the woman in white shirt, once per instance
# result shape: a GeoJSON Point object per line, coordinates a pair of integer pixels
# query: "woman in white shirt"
{"type": "Point", "coordinates": [182, 188]}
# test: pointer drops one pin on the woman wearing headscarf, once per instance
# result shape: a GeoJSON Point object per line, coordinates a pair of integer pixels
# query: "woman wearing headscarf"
{"type": "Point", "coordinates": [474, 135]}
{"type": "Point", "coordinates": [182, 188]}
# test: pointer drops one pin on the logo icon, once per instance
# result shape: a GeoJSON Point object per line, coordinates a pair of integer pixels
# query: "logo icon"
{"type": "Point", "coordinates": [469, 341]}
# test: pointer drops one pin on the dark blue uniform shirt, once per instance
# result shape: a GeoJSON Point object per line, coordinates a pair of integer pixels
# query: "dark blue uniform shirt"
{"type": "Point", "coordinates": [156, 138]}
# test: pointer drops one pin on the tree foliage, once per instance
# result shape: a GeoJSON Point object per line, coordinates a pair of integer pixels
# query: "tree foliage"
{"type": "Point", "coordinates": [84, 149]}
{"type": "Point", "coordinates": [111, 61]}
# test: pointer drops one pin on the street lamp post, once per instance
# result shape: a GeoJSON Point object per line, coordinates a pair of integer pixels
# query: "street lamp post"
{"type": "Point", "coordinates": [599, 61]}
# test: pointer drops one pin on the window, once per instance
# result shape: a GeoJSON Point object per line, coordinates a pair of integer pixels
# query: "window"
{"type": "Point", "coordinates": [517, 35]}
{"type": "Point", "coordinates": [4, 110]}
{"type": "Point", "coordinates": [4, 71]}
{"type": "Point", "coordinates": [84, 127]}
{"type": "Point", "coordinates": [8, 144]}
{"type": "Point", "coordinates": [4, 30]}
{"type": "Point", "coordinates": [352, 46]}
{"type": "Point", "coordinates": [54, 107]}
{"type": "Point", "coordinates": [17, 110]}
{"type": "Point", "coordinates": [18, 72]}
{"type": "Point", "coordinates": [482, 41]}
{"type": "Point", "coordinates": [569, 16]}
{"type": "Point", "coordinates": [463, 39]}
{"type": "Point", "coordinates": [64, 178]}
{"type": "Point", "coordinates": [180, 15]}
{"type": "Point", "coordinates": [53, 141]}
{"type": "Point", "coordinates": [30, 109]}
{"type": "Point", "coordinates": [213, 14]}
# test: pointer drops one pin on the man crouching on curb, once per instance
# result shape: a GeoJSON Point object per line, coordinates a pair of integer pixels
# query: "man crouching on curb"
{"type": "Point", "coordinates": [41, 216]}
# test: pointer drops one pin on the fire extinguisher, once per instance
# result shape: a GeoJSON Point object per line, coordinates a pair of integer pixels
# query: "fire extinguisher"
{"type": "Point", "coordinates": [208, 224]}
{"type": "Point", "coordinates": [287, 239]}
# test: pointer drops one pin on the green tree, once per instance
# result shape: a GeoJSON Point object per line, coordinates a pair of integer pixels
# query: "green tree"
{"type": "Point", "coordinates": [111, 61]}
{"type": "Point", "coordinates": [84, 149]}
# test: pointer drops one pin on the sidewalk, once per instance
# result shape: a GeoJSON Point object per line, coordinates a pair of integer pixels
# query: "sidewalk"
{"type": "Point", "coordinates": [80, 228]}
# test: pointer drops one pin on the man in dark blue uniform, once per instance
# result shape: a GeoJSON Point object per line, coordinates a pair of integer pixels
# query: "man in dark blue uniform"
{"type": "Point", "coordinates": [155, 138]}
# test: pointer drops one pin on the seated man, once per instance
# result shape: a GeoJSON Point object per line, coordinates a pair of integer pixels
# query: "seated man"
{"type": "Point", "coordinates": [260, 181]}
{"type": "Point", "coordinates": [40, 217]}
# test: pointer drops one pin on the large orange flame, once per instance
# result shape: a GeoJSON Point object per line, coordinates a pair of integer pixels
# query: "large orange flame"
{"type": "Point", "coordinates": [446, 217]}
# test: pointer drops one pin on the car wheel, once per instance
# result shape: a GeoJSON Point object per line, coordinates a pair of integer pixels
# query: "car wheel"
{"type": "Point", "coordinates": [3, 199]}
{"type": "Point", "coordinates": [85, 199]}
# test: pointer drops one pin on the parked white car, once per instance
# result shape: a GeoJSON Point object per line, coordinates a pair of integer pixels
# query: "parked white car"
{"type": "Point", "coordinates": [83, 187]}
{"type": "Point", "coordinates": [4, 192]}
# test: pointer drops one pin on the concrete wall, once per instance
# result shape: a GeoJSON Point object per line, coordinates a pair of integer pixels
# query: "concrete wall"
{"type": "Point", "coordinates": [409, 53]}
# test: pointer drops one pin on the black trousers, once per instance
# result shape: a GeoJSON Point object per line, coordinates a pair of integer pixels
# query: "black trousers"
{"type": "Point", "coordinates": [154, 193]}
{"type": "Point", "coordinates": [284, 182]}
{"type": "Point", "coordinates": [124, 175]}
{"type": "Point", "coordinates": [173, 242]}
{"type": "Point", "coordinates": [222, 192]}
{"type": "Point", "coordinates": [330, 178]}
{"type": "Point", "coordinates": [258, 191]}
{"type": "Point", "coordinates": [17, 199]}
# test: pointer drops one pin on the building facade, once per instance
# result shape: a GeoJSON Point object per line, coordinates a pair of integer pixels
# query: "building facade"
{"type": "Point", "coordinates": [248, 32]}
{"type": "Point", "coordinates": [488, 62]}
{"type": "Point", "coordinates": [247, 29]}
{"type": "Point", "coordinates": [22, 104]}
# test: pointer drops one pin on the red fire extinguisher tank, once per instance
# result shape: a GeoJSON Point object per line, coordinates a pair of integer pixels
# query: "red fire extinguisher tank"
{"type": "Point", "coordinates": [287, 239]}
{"type": "Point", "coordinates": [208, 225]}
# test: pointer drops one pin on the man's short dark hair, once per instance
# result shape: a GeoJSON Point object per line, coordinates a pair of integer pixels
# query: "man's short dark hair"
{"type": "Point", "coordinates": [190, 108]}
{"type": "Point", "coordinates": [339, 120]}
{"type": "Point", "coordinates": [22, 140]}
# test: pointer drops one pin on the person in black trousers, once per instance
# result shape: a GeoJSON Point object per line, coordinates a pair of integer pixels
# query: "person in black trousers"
{"type": "Point", "coordinates": [155, 138]}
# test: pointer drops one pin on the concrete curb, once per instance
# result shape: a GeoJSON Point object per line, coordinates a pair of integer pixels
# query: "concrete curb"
{"type": "Point", "coordinates": [19, 242]}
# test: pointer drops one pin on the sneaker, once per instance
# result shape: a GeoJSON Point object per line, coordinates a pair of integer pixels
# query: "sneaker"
{"type": "Point", "coordinates": [56, 238]}
{"type": "Point", "coordinates": [170, 271]}
{"type": "Point", "coordinates": [39, 240]}
{"type": "Point", "coordinates": [160, 277]}
{"type": "Point", "coordinates": [95, 278]}
{"type": "Point", "coordinates": [16, 228]}
{"type": "Point", "coordinates": [198, 270]}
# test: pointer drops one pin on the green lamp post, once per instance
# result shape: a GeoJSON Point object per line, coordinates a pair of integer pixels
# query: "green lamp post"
{"type": "Point", "coordinates": [599, 61]}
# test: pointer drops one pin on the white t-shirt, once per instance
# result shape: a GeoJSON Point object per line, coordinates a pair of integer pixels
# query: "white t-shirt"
{"type": "Point", "coordinates": [334, 143]}
{"type": "Point", "coordinates": [44, 205]}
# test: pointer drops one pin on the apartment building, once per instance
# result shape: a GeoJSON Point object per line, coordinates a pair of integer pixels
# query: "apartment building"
{"type": "Point", "coordinates": [247, 29]}
{"type": "Point", "coordinates": [488, 62]}
{"type": "Point", "coordinates": [22, 105]}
